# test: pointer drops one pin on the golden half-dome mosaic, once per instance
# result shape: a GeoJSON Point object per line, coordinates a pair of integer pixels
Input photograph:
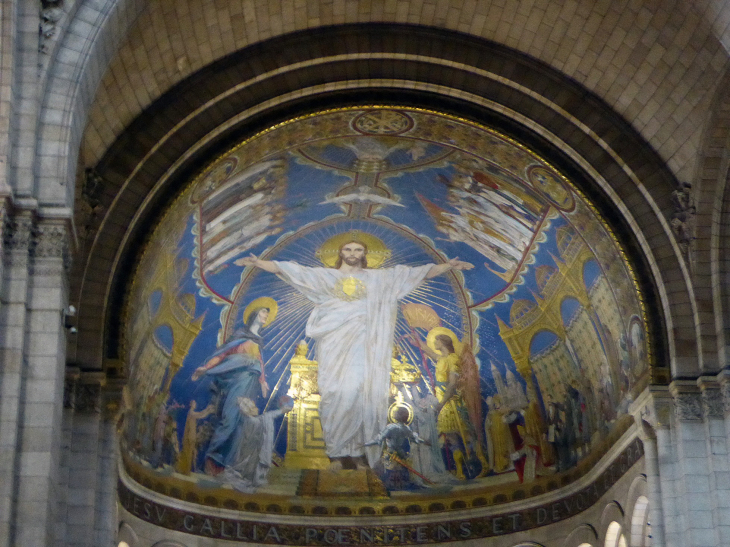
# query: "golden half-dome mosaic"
{"type": "Point", "coordinates": [377, 311]}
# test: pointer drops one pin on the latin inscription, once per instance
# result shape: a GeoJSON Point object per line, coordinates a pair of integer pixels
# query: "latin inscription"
{"type": "Point", "coordinates": [445, 530]}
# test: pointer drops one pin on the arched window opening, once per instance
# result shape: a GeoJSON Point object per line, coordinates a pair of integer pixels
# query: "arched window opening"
{"type": "Point", "coordinates": [614, 536]}
{"type": "Point", "coordinates": [640, 526]}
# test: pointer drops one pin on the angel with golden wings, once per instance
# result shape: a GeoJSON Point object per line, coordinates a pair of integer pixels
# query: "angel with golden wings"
{"type": "Point", "coordinates": [457, 389]}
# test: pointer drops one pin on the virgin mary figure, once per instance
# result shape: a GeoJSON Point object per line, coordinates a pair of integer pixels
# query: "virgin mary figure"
{"type": "Point", "coordinates": [237, 371]}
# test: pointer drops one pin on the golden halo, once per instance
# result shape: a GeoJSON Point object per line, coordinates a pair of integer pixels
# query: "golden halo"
{"type": "Point", "coordinates": [392, 409]}
{"type": "Point", "coordinates": [433, 333]}
{"type": "Point", "coordinates": [263, 302]}
{"type": "Point", "coordinates": [330, 249]}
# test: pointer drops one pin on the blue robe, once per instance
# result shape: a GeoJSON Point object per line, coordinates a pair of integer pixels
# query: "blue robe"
{"type": "Point", "coordinates": [237, 375]}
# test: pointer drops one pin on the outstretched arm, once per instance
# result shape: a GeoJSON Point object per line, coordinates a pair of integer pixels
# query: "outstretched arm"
{"type": "Point", "coordinates": [252, 260]}
{"type": "Point", "coordinates": [416, 341]}
{"type": "Point", "coordinates": [453, 264]}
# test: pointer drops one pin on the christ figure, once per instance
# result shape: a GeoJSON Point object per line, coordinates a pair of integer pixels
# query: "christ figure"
{"type": "Point", "coordinates": [353, 325]}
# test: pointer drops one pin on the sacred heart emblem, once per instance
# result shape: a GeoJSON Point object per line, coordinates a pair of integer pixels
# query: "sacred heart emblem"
{"type": "Point", "coordinates": [350, 288]}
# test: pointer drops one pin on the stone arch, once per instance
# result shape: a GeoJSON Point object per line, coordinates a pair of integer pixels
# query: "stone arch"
{"type": "Point", "coordinates": [612, 513]}
{"type": "Point", "coordinates": [637, 507]}
{"type": "Point", "coordinates": [583, 534]}
{"type": "Point", "coordinates": [712, 201]}
{"type": "Point", "coordinates": [126, 534]}
{"type": "Point", "coordinates": [87, 42]}
{"type": "Point", "coordinates": [139, 176]}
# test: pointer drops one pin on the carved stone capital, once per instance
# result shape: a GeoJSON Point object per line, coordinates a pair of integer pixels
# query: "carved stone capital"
{"type": "Point", "coordinates": [89, 392]}
{"type": "Point", "coordinates": [712, 403]}
{"type": "Point", "coordinates": [18, 233]}
{"type": "Point", "coordinates": [51, 241]}
{"type": "Point", "coordinates": [69, 389]}
{"type": "Point", "coordinates": [724, 380]}
{"type": "Point", "coordinates": [688, 405]}
{"type": "Point", "coordinates": [712, 400]}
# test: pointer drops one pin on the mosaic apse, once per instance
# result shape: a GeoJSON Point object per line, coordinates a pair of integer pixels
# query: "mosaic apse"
{"type": "Point", "coordinates": [378, 308]}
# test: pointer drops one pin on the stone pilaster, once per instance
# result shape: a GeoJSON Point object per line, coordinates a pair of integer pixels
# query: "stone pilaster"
{"type": "Point", "coordinates": [17, 232]}
{"type": "Point", "coordinates": [694, 484]}
{"type": "Point", "coordinates": [717, 452]}
{"type": "Point", "coordinates": [84, 460]}
{"type": "Point", "coordinates": [106, 491]}
{"type": "Point", "coordinates": [723, 477]}
{"type": "Point", "coordinates": [69, 403]}
{"type": "Point", "coordinates": [43, 385]}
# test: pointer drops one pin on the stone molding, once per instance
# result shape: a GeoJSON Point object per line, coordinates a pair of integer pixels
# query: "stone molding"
{"type": "Point", "coordinates": [249, 522]}
{"type": "Point", "coordinates": [653, 410]}
{"type": "Point", "coordinates": [706, 398]}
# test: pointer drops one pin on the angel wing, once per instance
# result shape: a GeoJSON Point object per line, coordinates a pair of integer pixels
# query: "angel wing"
{"type": "Point", "coordinates": [470, 388]}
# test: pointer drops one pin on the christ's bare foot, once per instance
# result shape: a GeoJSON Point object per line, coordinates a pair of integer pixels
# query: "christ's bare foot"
{"type": "Point", "coordinates": [335, 465]}
{"type": "Point", "coordinates": [361, 464]}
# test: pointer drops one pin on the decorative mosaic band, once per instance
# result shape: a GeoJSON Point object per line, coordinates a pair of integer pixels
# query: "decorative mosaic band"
{"type": "Point", "coordinates": [256, 530]}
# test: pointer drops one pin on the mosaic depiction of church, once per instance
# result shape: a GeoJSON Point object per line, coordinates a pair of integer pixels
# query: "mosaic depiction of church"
{"type": "Point", "coordinates": [513, 371]}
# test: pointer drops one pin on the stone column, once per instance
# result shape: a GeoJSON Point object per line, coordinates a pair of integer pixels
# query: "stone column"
{"type": "Point", "coordinates": [17, 234]}
{"type": "Point", "coordinates": [84, 460]}
{"type": "Point", "coordinates": [653, 415]}
{"type": "Point", "coordinates": [105, 526]}
{"type": "Point", "coordinates": [694, 492]}
{"type": "Point", "coordinates": [42, 385]}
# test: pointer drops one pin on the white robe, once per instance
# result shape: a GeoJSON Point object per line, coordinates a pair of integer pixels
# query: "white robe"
{"type": "Point", "coordinates": [354, 341]}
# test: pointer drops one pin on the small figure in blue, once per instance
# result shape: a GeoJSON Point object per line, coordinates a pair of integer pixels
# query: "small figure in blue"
{"type": "Point", "coordinates": [394, 467]}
